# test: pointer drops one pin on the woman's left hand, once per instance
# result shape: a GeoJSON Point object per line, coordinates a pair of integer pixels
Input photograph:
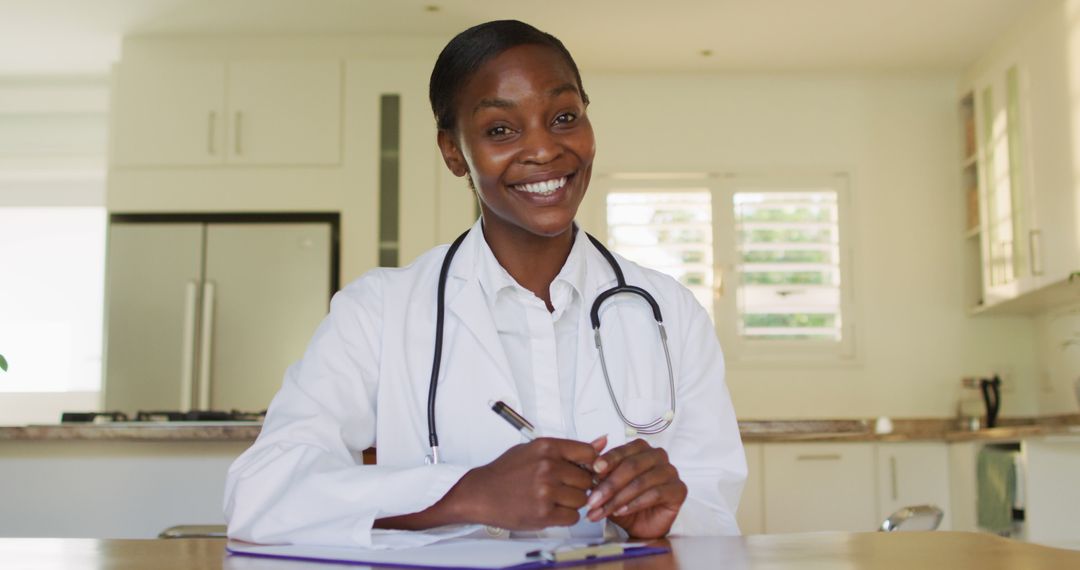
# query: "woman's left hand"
{"type": "Point", "coordinates": [639, 490]}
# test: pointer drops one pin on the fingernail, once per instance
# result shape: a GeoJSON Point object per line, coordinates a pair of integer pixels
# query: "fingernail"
{"type": "Point", "coordinates": [599, 439]}
{"type": "Point", "coordinates": [622, 510]}
{"type": "Point", "coordinates": [595, 515]}
{"type": "Point", "coordinates": [594, 499]}
{"type": "Point", "coordinates": [599, 466]}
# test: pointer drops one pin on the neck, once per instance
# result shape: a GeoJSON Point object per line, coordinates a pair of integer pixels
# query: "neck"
{"type": "Point", "coordinates": [533, 261]}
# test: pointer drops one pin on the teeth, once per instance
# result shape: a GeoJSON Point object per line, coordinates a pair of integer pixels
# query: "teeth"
{"type": "Point", "coordinates": [545, 187]}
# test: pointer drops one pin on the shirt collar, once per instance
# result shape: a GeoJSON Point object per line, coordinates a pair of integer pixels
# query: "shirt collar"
{"type": "Point", "coordinates": [494, 277]}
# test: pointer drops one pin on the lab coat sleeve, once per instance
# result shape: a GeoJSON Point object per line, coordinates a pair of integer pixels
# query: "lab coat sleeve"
{"type": "Point", "coordinates": [303, 481]}
{"type": "Point", "coordinates": [707, 449]}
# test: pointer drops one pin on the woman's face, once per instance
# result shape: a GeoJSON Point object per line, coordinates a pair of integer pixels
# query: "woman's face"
{"type": "Point", "coordinates": [524, 139]}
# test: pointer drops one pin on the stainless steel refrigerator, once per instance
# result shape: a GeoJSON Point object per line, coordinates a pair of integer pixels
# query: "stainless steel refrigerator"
{"type": "Point", "coordinates": [207, 312]}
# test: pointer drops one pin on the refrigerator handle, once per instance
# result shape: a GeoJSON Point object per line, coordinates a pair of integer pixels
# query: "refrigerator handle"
{"type": "Point", "coordinates": [206, 345]}
{"type": "Point", "coordinates": [187, 358]}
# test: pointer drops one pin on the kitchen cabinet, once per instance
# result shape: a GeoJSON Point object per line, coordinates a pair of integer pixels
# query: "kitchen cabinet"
{"type": "Point", "coordinates": [819, 486]}
{"type": "Point", "coordinates": [751, 513]}
{"type": "Point", "coordinates": [913, 473]}
{"type": "Point", "coordinates": [241, 113]}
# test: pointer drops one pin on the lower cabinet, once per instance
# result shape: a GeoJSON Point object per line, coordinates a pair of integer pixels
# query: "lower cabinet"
{"type": "Point", "coordinates": [913, 474]}
{"type": "Point", "coordinates": [808, 487]}
{"type": "Point", "coordinates": [751, 513]}
{"type": "Point", "coordinates": [819, 486]}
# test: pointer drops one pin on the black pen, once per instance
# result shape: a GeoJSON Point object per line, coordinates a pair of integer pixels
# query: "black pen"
{"type": "Point", "coordinates": [515, 419]}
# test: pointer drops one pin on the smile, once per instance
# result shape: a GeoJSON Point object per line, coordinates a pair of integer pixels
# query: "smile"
{"type": "Point", "coordinates": [542, 188]}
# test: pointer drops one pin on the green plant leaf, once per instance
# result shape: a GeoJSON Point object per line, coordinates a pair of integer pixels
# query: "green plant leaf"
{"type": "Point", "coordinates": [3, 363]}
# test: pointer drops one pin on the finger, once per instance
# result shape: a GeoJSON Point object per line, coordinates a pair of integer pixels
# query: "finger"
{"type": "Point", "coordinates": [672, 494]}
{"type": "Point", "coordinates": [628, 469]}
{"type": "Point", "coordinates": [569, 497]}
{"type": "Point", "coordinates": [599, 443]}
{"type": "Point", "coordinates": [608, 461]}
{"type": "Point", "coordinates": [658, 477]}
{"type": "Point", "coordinates": [571, 475]}
{"type": "Point", "coordinates": [577, 452]}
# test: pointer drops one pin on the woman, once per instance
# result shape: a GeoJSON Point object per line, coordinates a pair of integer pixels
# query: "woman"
{"type": "Point", "coordinates": [511, 114]}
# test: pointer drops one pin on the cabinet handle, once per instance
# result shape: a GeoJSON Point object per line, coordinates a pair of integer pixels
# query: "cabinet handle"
{"type": "Point", "coordinates": [207, 345]}
{"type": "Point", "coordinates": [236, 138]}
{"type": "Point", "coordinates": [892, 473]}
{"type": "Point", "coordinates": [818, 457]}
{"type": "Point", "coordinates": [211, 130]}
{"type": "Point", "coordinates": [1035, 252]}
{"type": "Point", "coordinates": [187, 358]}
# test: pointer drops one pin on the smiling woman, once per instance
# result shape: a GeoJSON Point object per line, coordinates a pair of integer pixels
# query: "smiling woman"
{"type": "Point", "coordinates": [514, 299]}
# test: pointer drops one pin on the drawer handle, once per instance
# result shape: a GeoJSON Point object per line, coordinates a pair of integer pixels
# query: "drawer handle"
{"type": "Point", "coordinates": [819, 457]}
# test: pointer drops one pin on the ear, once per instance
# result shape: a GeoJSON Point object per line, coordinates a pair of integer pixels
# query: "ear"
{"type": "Point", "coordinates": [452, 154]}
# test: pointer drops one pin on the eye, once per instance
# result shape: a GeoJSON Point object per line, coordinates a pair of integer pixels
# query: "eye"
{"type": "Point", "coordinates": [565, 118]}
{"type": "Point", "coordinates": [500, 131]}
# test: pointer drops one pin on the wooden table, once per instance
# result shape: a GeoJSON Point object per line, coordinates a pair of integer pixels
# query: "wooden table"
{"type": "Point", "coordinates": [907, 551]}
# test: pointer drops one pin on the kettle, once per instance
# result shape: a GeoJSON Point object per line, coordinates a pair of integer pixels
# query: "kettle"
{"type": "Point", "coordinates": [991, 393]}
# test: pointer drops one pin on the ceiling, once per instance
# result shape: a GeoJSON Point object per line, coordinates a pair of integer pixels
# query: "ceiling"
{"type": "Point", "coordinates": [80, 36]}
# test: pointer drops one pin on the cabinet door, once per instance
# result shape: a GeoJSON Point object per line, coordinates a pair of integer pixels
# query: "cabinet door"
{"type": "Point", "coordinates": [913, 474]}
{"type": "Point", "coordinates": [751, 515]}
{"type": "Point", "coordinates": [152, 275]}
{"type": "Point", "coordinates": [285, 113]}
{"type": "Point", "coordinates": [819, 486]}
{"type": "Point", "coordinates": [169, 114]}
{"type": "Point", "coordinates": [268, 287]}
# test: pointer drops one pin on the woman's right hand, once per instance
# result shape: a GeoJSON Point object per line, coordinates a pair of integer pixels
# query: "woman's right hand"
{"type": "Point", "coordinates": [531, 486]}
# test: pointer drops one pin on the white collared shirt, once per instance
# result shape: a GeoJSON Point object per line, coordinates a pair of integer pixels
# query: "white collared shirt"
{"type": "Point", "coordinates": [540, 346]}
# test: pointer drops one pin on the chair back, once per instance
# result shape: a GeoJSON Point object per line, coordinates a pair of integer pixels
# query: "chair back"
{"type": "Point", "coordinates": [918, 517]}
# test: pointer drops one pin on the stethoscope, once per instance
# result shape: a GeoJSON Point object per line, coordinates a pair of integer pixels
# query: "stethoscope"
{"type": "Point", "coordinates": [655, 426]}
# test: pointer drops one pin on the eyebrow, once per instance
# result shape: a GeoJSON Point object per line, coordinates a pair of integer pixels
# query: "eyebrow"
{"type": "Point", "coordinates": [508, 104]}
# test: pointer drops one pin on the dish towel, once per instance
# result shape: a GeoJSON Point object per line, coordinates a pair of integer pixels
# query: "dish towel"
{"type": "Point", "coordinates": [996, 489]}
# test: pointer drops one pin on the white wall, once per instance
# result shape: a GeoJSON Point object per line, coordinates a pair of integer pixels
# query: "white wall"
{"type": "Point", "coordinates": [898, 138]}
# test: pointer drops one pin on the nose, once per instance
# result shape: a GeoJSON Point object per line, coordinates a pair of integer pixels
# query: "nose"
{"type": "Point", "coordinates": [540, 146]}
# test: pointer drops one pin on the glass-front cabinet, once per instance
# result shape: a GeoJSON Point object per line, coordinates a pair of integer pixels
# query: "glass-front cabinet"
{"type": "Point", "coordinates": [1001, 239]}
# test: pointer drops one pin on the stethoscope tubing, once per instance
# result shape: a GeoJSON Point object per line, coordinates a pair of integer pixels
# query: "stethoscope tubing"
{"type": "Point", "coordinates": [655, 426]}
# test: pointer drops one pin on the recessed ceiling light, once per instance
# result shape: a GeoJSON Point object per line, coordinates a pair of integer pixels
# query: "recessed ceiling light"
{"type": "Point", "coordinates": [432, 8]}
{"type": "Point", "coordinates": [706, 53]}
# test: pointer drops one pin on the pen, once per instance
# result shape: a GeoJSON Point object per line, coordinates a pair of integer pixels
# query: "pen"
{"type": "Point", "coordinates": [514, 419]}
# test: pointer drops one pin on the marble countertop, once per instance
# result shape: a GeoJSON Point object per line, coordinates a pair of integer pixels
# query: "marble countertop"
{"type": "Point", "coordinates": [753, 431]}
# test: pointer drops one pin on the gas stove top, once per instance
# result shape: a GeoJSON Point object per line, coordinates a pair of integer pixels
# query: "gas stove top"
{"type": "Point", "coordinates": [162, 416]}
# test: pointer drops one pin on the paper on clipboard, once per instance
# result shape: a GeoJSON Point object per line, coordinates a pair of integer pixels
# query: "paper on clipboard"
{"type": "Point", "coordinates": [454, 553]}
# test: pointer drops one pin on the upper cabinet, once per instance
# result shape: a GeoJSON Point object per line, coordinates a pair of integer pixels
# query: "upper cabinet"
{"type": "Point", "coordinates": [1019, 170]}
{"type": "Point", "coordinates": [201, 113]}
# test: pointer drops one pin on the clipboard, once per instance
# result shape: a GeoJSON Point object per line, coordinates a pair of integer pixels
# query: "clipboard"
{"type": "Point", "coordinates": [456, 554]}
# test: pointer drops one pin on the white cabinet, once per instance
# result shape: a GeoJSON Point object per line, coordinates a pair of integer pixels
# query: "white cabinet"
{"type": "Point", "coordinates": [281, 113]}
{"type": "Point", "coordinates": [913, 474]}
{"type": "Point", "coordinates": [751, 513]}
{"type": "Point", "coordinates": [819, 486]}
{"type": "Point", "coordinates": [169, 114]}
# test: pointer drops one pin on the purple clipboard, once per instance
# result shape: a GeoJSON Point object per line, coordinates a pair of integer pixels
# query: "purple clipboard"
{"type": "Point", "coordinates": [455, 555]}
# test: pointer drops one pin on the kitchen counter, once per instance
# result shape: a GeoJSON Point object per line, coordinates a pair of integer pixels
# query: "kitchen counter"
{"type": "Point", "coordinates": [753, 431]}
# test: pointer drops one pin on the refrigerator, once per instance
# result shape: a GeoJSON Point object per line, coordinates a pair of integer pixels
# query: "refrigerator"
{"type": "Point", "coordinates": [206, 313]}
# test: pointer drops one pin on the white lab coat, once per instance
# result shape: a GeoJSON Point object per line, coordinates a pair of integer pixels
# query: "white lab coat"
{"type": "Point", "coordinates": [364, 378]}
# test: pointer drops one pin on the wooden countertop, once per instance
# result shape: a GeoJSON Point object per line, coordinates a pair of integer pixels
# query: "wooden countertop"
{"type": "Point", "coordinates": [885, 551]}
{"type": "Point", "coordinates": [753, 431]}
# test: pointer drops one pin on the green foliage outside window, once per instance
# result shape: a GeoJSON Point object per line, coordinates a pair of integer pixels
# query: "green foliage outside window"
{"type": "Point", "coordinates": [785, 278]}
{"type": "Point", "coordinates": [789, 320]}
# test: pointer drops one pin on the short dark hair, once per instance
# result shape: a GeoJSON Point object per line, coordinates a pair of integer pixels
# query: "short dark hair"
{"type": "Point", "coordinates": [471, 49]}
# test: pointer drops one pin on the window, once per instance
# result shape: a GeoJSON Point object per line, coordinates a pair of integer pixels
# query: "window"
{"type": "Point", "coordinates": [51, 298]}
{"type": "Point", "coordinates": [788, 249]}
{"type": "Point", "coordinates": [667, 231]}
{"type": "Point", "coordinates": [765, 255]}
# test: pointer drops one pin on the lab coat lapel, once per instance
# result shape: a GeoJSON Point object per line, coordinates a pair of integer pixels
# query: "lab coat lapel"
{"type": "Point", "coordinates": [470, 307]}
